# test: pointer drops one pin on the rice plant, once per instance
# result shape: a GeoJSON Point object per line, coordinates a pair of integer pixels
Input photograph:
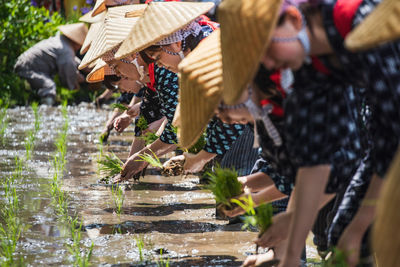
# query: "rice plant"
{"type": "Point", "coordinates": [31, 136]}
{"type": "Point", "coordinates": [81, 257]}
{"type": "Point", "coordinates": [161, 262]}
{"type": "Point", "coordinates": [198, 146]}
{"type": "Point", "coordinates": [260, 217]}
{"type": "Point", "coordinates": [336, 258]}
{"type": "Point", "coordinates": [142, 123]}
{"type": "Point", "coordinates": [118, 197]}
{"type": "Point", "coordinates": [224, 185]}
{"type": "Point", "coordinates": [3, 119]}
{"type": "Point", "coordinates": [110, 165]}
{"type": "Point", "coordinates": [153, 160]}
{"type": "Point", "coordinates": [119, 106]}
{"type": "Point", "coordinates": [11, 228]}
{"type": "Point", "coordinates": [140, 246]}
{"type": "Point", "coordinates": [149, 138]}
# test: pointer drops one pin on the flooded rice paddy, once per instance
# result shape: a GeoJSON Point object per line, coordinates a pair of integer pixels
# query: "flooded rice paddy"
{"type": "Point", "coordinates": [163, 220]}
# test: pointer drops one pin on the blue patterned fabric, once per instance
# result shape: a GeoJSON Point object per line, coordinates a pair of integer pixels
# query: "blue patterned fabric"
{"type": "Point", "coordinates": [220, 136]}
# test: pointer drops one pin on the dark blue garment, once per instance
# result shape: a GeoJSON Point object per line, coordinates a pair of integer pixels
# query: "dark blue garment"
{"type": "Point", "coordinates": [376, 70]}
{"type": "Point", "coordinates": [149, 108]}
{"type": "Point", "coordinates": [125, 98]}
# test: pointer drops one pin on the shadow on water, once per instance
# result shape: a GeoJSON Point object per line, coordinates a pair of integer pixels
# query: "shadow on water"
{"type": "Point", "coordinates": [204, 260]}
{"type": "Point", "coordinates": [167, 226]}
{"type": "Point", "coordinates": [161, 210]}
{"type": "Point", "coordinates": [152, 186]}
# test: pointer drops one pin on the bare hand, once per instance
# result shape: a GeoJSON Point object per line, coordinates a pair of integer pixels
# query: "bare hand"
{"type": "Point", "coordinates": [350, 243]}
{"type": "Point", "coordinates": [133, 165]}
{"type": "Point", "coordinates": [277, 232]}
{"type": "Point", "coordinates": [121, 122]}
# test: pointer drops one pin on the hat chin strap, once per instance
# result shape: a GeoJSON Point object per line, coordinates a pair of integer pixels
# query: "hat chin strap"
{"type": "Point", "coordinates": [262, 114]}
{"type": "Point", "coordinates": [302, 37]}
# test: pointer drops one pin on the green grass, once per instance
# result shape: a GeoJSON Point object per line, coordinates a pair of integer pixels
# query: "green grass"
{"type": "Point", "coordinates": [153, 160]}
{"type": "Point", "coordinates": [110, 165]}
{"type": "Point", "coordinates": [81, 257]}
{"type": "Point", "coordinates": [31, 136]}
{"type": "Point", "coordinates": [224, 185]}
{"type": "Point", "coordinates": [119, 106]}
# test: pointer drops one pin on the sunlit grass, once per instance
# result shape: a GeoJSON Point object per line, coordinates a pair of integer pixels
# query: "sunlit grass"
{"type": "Point", "coordinates": [153, 160]}
{"type": "Point", "coordinates": [118, 197]}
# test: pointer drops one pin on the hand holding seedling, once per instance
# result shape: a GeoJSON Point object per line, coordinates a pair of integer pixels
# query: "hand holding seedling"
{"type": "Point", "coordinates": [277, 232]}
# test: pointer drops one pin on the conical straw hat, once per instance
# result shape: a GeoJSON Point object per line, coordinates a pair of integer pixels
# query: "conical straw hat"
{"type": "Point", "coordinates": [99, 7]}
{"type": "Point", "coordinates": [382, 25]}
{"type": "Point", "coordinates": [158, 21]}
{"type": "Point", "coordinates": [121, 11]}
{"type": "Point", "coordinates": [385, 234]}
{"type": "Point", "coordinates": [200, 89]}
{"type": "Point", "coordinates": [246, 28]}
{"type": "Point", "coordinates": [75, 32]}
{"type": "Point", "coordinates": [110, 36]}
{"type": "Point", "coordinates": [99, 71]}
{"type": "Point", "coordinates": [89, 19]}
{"type": "Point", "coordinates": [91, 35]}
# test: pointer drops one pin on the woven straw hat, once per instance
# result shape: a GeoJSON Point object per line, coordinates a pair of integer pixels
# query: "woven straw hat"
{"type": "Point", "coordinates": [91, 35]}
{"type": "Point", "coordinates": [113, 32]}
{"type": "Point", "coordinates": [200, 89]}
{"type": "Point", "coordinates": [246, 28]}
{"type": "Point", "coordinates": [99, 7]}
{"type": "Point", "coordinates": [75, 32]}
{"type": "Point", "coordinates": [160, 20]}
{"type": "Point", "coordinates": [89, 19]}
{"type": "Point", "coordinates": [99, 71]}
{"type": "Point", "coordinates": [382, 25]}
{"type": "Point", "coordinates": [385, 235]}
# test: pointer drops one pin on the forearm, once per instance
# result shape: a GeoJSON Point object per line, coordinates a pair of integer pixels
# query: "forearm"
{"type": "Point", "coordinates": [158, 147]}
{"type": "Point", "coordinates": [257, 181]}
{"type": "Point", "coordinates": [267, 195]}
{"type": "Point", "coordinates": [133, 110]}
{"type": "Point", "coordinates": [308, 197]}
{"type": "Point", "coordinates": [366, 213]}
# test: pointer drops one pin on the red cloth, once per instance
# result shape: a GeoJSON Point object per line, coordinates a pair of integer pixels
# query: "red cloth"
{"type": "Point", "coordinates": [277, 110]}
{"type": "Point", "coordinates": [319, 66]}
{"type": "Point", "coordinates": [152, 82]}
{"type": "Point", "coordinates": [343, 15]}
{"type": "Point", "coordinates": [205, 21]}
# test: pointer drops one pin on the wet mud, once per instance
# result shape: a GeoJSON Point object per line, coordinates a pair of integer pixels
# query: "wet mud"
{"type": "Point", "coordinates": [174, 214]}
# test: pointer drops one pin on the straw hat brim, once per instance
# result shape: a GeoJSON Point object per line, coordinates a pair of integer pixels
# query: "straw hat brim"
{"type": "Point", "coordinates": [381, 26]}
{"type": "Point", "coordinates": [246, 29]}
{"type": "Point", "coordinates": [76, 32]}
{"type": "Point", "coordinates": [89, 19]}
{"type": "Point", "coordinates": [99, 71]}
{"type": "Point", "coordinates": [99, 7]}
{"type": "Point", "coordinates": [91, 35]}
{"type": "Point", "coordinates": [159, 20]}
{"type": "Point", "coordinates": [111, 34]}
{"type": "Point", "coordinates": [385, 234]}
{"type": "Point", "coordinates": [200, 89]}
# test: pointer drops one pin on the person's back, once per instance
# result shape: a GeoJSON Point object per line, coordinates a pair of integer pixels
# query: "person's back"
{"type": "Point", "coordinates": [55, 55]}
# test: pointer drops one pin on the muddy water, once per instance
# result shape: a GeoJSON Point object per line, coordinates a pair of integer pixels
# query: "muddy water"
{"type": "Point", "coordinates": [172, 214]}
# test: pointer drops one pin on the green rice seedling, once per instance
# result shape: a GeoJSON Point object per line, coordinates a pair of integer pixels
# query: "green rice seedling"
{"type": "Point", "coordinates": [161, 262]}
{"type": "Point", "coordinates": [140, 246]}
{"type": "Point", "coordinates": [142, 123]}
{"type": "Point", "coordinates": [80, 258]}
{"type": "Point", "coordinates": [149, 138]}
{"type": "Point", "coordinates": [224, 184]}
{"type": "Point", "coordinates": [110, 165]}
{"type": "Point", "coordinates": [336, 258]}
{"type": "Point", "coordinates": [35, 108]}
{"type": "Point", "coordinates": [118, 197]}
{"type": "Point", "coordinates": [3, 119]}
{"type": "Point", "coordinates": [119, 106]}
{"type": "Point", "coordinates": [198, 146]}
{"type": "Point", "coordinates": [153, 160]}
